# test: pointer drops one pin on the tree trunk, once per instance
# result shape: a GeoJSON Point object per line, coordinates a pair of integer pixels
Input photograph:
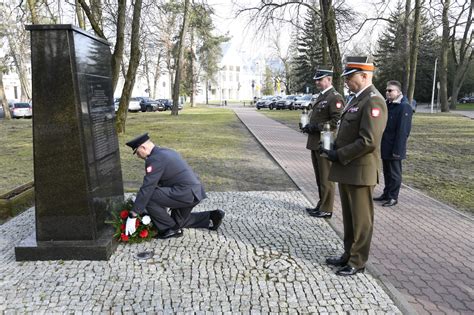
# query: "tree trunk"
{"type": "Point", "coordinates": [3, 98]}
{"type": "Point", "coordinates": [80, 16]}
{"type": "Point", "coordinates": [34, 15]}
{"type": "Point", "coordinates": [179, 60]}
{"type": "Point", "coordinates": [117, 56]}
{"type": "Point", "coordinates": [443, 71]}
{"type": "Point", "coordinates": [132, 68]}
{"type": "Point", "coordinates": [146, 67]}
{"type": "Point", "coordinates": [157, 75]}
{"type": "Point", "coordinates": [17, 55]}
{"type": "Point", "coordinates": [329, 22]}
{"type": "Point", "coordinates": [415, 44]}
{"type": "Point", "coordinates": [463, 58]}
{"type": "Point", "coordinates": [324, 42]}
{"type": "Point", "coordinates": [406, 52]}
{"type": "Point", "coordinates": [193, 81]}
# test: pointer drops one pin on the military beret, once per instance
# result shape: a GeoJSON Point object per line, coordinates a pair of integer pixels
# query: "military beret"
{"type": "Point", "coordinates": [356, 64]}
{"type": "Point", "coordinates": [137, 142]}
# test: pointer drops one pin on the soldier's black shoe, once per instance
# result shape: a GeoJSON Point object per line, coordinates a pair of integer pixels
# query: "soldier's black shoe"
{"type": "Point", "coordinates": [216, 217]}
{"type": "Point", "coordinates": [169, 234]}
{"type": "Point", "coordinates": [349, 271]}
{"type": "Point", "coordinates": [310, 210]}
{"type": "Point", "coordinates": [321, 214]}
{"type": "Point", "coordinates": [390, 203]}
{"type": "Point", "coordinates": [380, 198]}
{"type": "Point", "coordinates": [337, 261]}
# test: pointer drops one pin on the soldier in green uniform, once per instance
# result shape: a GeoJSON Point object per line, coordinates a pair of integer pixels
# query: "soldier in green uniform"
{"type": "Point", "coordinates": [356, 163]}
{"type": "Point", "coordinates": [326, 109]}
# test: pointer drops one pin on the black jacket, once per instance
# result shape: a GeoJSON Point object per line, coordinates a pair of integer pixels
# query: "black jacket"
{"type": "Point", "coordinates": [167, 170]}
{"type": "Point", "coordinates": [395, 136]}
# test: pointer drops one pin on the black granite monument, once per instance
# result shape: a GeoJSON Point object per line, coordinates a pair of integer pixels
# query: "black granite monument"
{"type": "Point", "coordinates": [77, 171]}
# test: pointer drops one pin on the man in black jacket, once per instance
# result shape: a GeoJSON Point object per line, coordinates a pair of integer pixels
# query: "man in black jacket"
{"type": "Point", "coordinates": [394, 142]}
{"type": "Point", "coordinates": [169, 182]}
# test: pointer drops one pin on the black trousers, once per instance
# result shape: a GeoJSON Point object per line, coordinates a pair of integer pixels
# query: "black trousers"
{"type": "Point", "coordinates": [180, 216]}
{"type": "Point", "coordinates": [392, 173]}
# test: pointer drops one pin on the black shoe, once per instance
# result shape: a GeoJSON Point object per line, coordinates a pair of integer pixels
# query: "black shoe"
{"type": "Point", "coordinates": [169, 234]}
{"type": "Point", "coordinates": [380, 198]}
{"type": "Point", "coordinates": [216, 217]}
{"type": "Point", "coordinates": [311, 210]}
{"type": "Point", "coordinates": [349, 271]}
{"type": "Point", "coordinates": [321, 214]}
{"type": "Point", "coordinates": [337, 261]}
{"type": "Point", "coordinates": [390, 203]}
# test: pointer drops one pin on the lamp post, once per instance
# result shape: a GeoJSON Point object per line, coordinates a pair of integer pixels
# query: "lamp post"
{"type": "Point", "coordinates": [434, 82]}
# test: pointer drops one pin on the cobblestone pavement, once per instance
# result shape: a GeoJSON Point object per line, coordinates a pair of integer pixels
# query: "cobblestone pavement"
{"type": "Point", "coordinates": [421, 246]}
{"type": "Point", "coordinates": [267, 257]}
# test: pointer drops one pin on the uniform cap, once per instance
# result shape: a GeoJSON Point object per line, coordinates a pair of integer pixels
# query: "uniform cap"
{"type": "Point", "coordinates": [137, 142]}
{"type": "Point", "coordinates": [356, 64]}
{"type": "Point", "coordinates": [323, 72]}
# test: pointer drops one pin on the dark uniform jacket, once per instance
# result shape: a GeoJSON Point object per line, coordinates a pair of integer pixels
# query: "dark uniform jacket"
{"type": "Point", "coordinates": [395, 136]}
{"type": "Point", "coordinates": [327, 108]}
{"type": "Point", "coordinates": [168, 171]}
{"type": "Point", "coordinates": [358, 140]}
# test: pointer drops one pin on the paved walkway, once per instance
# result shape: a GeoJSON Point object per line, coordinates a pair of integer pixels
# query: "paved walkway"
{"type": "Point", "coordinates": [267, 257]}
{"type": "Point", "coordinates": [421, 246]}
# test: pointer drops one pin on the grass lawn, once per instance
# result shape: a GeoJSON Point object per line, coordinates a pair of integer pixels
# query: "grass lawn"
{"type": "Point", "coordinates": [468, 106]}
{"type": "Point", "coordinates": [440, 155]}
{"type": "Point", "coordinates": [213, 141]}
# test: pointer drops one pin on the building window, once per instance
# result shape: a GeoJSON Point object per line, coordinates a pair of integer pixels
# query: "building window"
{"type": "Point", "coordinates": [237, 68]}
{"type": "Point", "coordinates": [231, 68]}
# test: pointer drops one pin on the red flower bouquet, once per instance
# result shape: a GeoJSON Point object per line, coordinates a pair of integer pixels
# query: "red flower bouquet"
{"type": "Point", "coordinates": [145, 229]}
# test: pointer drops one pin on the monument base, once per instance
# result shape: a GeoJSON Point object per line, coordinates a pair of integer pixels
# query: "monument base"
{"type": "Point", "coordinates": [101, 249]}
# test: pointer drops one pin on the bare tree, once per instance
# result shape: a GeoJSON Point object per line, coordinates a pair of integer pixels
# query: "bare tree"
{"type": "Point", "coordinates": [443, 69]}
{"type": "Point", "coordinates": [179, 59]}
{"type": "Point", "coordinates": [273, 10]}
{"type": "Point", "coordinates": [461, 49]}
{"type": "Point", "coordinates": [135, 55]}
{"type": "Point", "coordinates": [414, 48]}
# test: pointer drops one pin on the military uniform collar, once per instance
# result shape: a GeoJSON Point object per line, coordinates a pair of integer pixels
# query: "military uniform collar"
{"type": "Point", "coordinates": [326, 90]}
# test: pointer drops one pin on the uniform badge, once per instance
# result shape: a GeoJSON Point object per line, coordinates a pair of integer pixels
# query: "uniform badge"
{"type": "Point", "coordinates": [149, 169]}
{"type": "Point", "coordinates": [338, 105]}
{"type": "Point", "coordinates": [375, 112]}
{"type": "Point", "coordinates": [353, 110]}
{"type": "Point", "coordinates": [372, 94]}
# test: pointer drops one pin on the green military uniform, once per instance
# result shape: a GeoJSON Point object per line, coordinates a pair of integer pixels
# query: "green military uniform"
{"type": "Point", "coordinates": [326, 109]}
{"type": "Point", "coordinates": [357, 170]}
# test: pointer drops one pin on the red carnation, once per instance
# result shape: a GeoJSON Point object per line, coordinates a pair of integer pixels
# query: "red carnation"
{"type": "Point", "coordinates": [143, 233]}
{"type": "Point", "coordinates": [124, 237]}
{"type": "Point", "coordinates": [137, 223]}
{"type": "Point", "coordinates": [122, 227]}
{"type": "Point", "coordinates": [124, 214]}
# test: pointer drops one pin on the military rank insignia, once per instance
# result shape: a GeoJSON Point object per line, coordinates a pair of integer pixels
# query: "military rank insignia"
{"type": "Point", "coordinates": [375, 112]}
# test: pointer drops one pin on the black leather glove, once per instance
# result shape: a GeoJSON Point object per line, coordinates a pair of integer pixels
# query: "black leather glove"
{"type": "Point", "coordinates": [311, 128]}
{"type": "Point", "coordinates": [331, 155]}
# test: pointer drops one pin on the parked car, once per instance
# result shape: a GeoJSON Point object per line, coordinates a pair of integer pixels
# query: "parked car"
{"type": "Point", "coordinates": [286, 102]}
{"type": "Point", "coordinates": [303, 101]}
{"type": "Point", "coordinates": [168, 104]}
{"type": "Point", "coordinates": [149, 105]}
{"type": "Point", "coordinates": [267, 102]}
{"type": "Point", "coordinates": [21, 110]}
{"type": "Point", "coordinates": [134, 104]}
{"type": "Point", "coordinates": [466, 99]}
{"type": "Point", "coordinates": [116, 103]}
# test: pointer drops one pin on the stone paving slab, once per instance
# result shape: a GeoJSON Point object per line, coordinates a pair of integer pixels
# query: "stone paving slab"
{"type": "Point", "coordinates": [421, 246]}
{"type": "Point", "coordinates": [266, 258]}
